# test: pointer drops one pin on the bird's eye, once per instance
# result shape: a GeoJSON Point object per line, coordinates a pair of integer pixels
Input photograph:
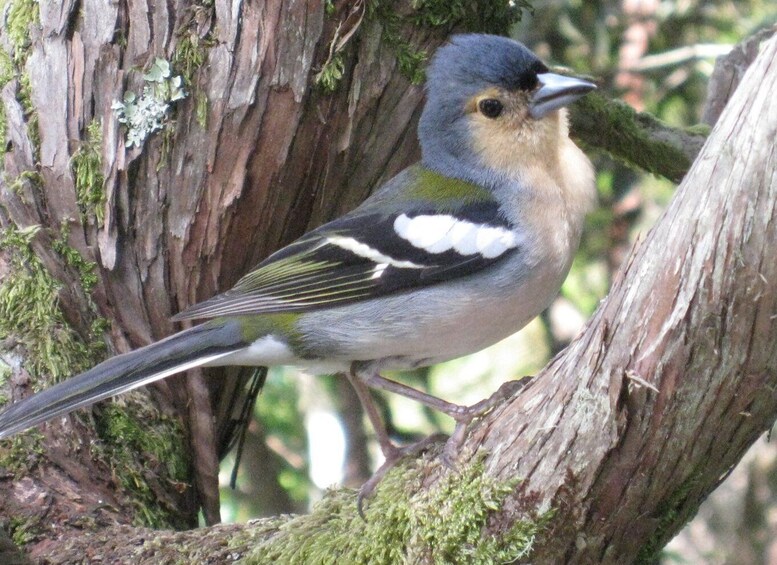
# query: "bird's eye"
{"type": "Point", "coordinates": [490, 107]}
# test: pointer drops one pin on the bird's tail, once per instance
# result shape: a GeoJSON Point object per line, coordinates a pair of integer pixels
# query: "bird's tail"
{"type": "Point", "coordinates": [190, 348]}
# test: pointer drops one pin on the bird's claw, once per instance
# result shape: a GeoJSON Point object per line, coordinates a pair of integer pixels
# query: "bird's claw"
{"type": "Point", "coordinates": [392, 457]}
{"type": "Point", "coordinates": [469, 413]}
{"type": "Point", "coordinates": [463, 416]}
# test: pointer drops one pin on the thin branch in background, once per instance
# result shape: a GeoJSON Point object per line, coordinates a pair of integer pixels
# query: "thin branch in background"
{"type": "Point", "coordinates": [677, 56]}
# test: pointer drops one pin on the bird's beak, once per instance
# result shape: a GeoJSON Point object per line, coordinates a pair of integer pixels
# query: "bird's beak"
{"type": "Point", "coordinates": [556, 91]}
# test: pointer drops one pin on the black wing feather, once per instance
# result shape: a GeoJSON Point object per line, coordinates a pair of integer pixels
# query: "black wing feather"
{"type": "Point", "coordinates": [314, 273]}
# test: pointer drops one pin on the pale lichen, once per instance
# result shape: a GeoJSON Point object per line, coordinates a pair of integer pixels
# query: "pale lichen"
{"type": "Point", "coordinates": [148, 112]}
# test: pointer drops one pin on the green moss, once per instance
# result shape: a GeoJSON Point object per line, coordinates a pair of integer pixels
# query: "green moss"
{"type": "Point", "coordinates": [447, 15]}
{"type": "Point", "coordinates": [21, 453]}
{"type": "Point", "coordinates": [330, 74]}
{"type": "Point", "coordinates": [406, 523]}
{"type": "Point", "coordinates": [411, 61]}
{"type": "Point", "coordinates": [24, 95]}
{"type": "Point", "coordinates": [87, 270]}
{"type": "Point", "coordinates": [6, 74]}
{"type": "Point", "coordinates": [487, 17]}
{"type": "Point", "coordinates": [483, 16]}
{"type": "Point", "coordinates": [672, 514]}
{"type": "Point", "coordinates": [7, 70]}
{"type": "Point", "coordinates": [140, 445]}
{"type": "Point", "coordinates": [201, 100]}
{"type": "Point", "coordinates": [147, 452]}
{"type": "Point", "coordinates": [26, 179]}
{"type": "Point", "coordinates": [410, 58]}
{"type": "Point", "coordinates": [635, 138]}
{"type": "Point", "coordinates": [191, 51]}
{"type": "Point", "coordinates": [5, 372]}
{"type": "Point", "coordinates": [24, 531]}
{"type": "Point", "coordinates": [87, 168]}
{"type": "Point", "coordinates": [29, 311]}
{"type": "Point", "coordinates": [20, 16]}
{"type": "Point", "coordinates": [3, 133]}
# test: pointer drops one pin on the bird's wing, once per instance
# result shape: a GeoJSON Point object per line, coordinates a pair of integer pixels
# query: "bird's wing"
{"type": "Point", "coordinates": [366, 255]}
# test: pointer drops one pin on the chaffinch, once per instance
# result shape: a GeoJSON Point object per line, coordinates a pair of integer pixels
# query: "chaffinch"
{"type": "Point", "coordinates": [453, 254]}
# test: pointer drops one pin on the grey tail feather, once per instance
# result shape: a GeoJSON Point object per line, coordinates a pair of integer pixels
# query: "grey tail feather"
{"type": "Point", "coordinates": [187, 349]}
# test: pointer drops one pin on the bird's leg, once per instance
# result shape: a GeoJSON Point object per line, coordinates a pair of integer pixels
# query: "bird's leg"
{"type": "Point", "coordinates": [391, 453]}
{"type": "Point", "coordinates": [463, 415]}
{"type": "Point", "coordinates": [386, 446]}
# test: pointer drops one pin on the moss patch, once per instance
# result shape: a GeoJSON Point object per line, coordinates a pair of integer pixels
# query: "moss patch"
{"type": "Point", "coordinates": [673, 513]}
{"type": "Point", "coordinates": [29, 311]}
{"type": "Point", "coordinates": [24, 95]}
{"type": "Point", "coordinates": [87, 270]}
{"type": "Point", "coordinates": [446, 15]}
{"type": "Point", "coordinates": [407, 523]}
{"type": "Point", "coordinates": [330, 74]}
{"type": "Point", "coordinates": [86, 164]}
{"type": "Point", "coordinates": [21, 453]}
{"type": "Point", "coordinates": [7, 71]}
{"type": "Point", "coordinates": [191, 51]}
{"type": "Point", "coordinates": [635, 138]}
{"type": "Point", "coordinates": [20, 16]}
{"type": "Point", "coordinates": [23, 531]}
{"type": "Point", "coordinates": [146, 451]}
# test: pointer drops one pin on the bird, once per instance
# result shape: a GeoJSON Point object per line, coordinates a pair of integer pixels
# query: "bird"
{"type": "Point", "coordinates": [453, 254]}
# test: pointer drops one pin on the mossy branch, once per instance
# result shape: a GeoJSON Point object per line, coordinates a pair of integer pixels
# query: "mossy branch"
{"type": "Point", "coordinates": [635, 138]}
{"type": "Point", "coordinates": [450, 521]}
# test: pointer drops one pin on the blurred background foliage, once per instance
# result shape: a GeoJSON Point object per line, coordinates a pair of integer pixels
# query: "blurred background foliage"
{"type": "Point", "coordinates": [309, 433]}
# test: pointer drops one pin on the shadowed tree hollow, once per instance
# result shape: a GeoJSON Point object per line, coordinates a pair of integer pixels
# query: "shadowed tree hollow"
{"type": "Point", "coordinates": [286, 115]}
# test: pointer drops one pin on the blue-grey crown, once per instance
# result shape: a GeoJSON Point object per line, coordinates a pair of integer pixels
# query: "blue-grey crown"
{"type": "Point", "coordinates": [475, 61]}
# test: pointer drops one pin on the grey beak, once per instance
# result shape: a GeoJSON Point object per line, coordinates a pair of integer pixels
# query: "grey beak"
{"type": "Point", "coordinates": [556, 91]}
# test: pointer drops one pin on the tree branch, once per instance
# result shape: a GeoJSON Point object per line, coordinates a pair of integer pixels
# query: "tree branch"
{"type": "Point", "coordinates": [585, 465]}
{"type": "Point", "coordinates": [636, 138]}
{"type": "Point", "coordinates": [694, 313]}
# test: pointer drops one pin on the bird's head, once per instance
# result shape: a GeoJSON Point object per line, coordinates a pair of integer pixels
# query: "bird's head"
{"type": "Point", "coordinates": [490, 103]}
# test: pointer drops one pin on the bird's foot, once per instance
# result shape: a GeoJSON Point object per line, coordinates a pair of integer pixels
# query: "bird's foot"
{"type": "Point", "coordinates": [392, 457]}
{"type": "Point", "coordinates": [464, 415]}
